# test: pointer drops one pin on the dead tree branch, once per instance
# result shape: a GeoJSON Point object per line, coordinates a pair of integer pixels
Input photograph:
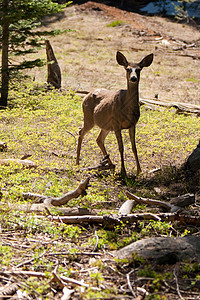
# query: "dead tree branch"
{"type": "Point", "coordinates": [174, 205]}
{"type": "Point", "coordinates": [64, 199]}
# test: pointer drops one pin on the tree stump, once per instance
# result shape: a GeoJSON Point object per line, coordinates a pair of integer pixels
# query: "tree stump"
{"type": "Point", "coordinates": [53, 69]}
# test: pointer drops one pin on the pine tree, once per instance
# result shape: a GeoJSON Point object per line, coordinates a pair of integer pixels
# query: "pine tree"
{"type": "Point", "coordinates": [20, 34]}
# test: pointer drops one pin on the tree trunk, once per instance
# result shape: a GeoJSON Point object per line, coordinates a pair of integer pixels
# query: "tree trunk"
{"type": "Point", "coordinates": [5, 46]}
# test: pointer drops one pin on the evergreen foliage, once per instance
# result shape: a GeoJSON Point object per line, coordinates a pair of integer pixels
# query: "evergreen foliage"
{"type": "Point", "coordinates": [20, 34]}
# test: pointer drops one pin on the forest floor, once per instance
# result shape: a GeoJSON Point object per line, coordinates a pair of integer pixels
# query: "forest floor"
{"type": "Point", "coordinates": [40, 258]}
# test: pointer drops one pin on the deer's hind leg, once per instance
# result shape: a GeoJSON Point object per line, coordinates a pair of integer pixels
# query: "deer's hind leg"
{"type": "Point", "coordinates": [87, 127]}
{"type": "Point", "coordinates": [100, 142]}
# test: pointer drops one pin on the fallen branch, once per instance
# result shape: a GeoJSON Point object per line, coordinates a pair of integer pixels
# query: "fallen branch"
{"type": "Point", "coordinates": [181, 218]}
{"type": "Point", "coordinates": [21, 162]}
{"type": "Point", "coordinates": [174, 205]}
{"type": "Point", "coordinates": [183, 107]}
{"type": "Point", "coordinates": [73, 281]}
{"type": "Point", "coordinates": [180, 106]}
{"type": "Point", "coordinates": [22, 273]}
{"type": "Point", "coordinates": [106, 220]}
{"type": "Point", "coordinates": [79, 191]}
{"type": "Point", "coordinates": [145, 201]}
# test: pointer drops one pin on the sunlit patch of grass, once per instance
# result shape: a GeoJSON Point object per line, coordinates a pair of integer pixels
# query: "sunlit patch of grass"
{"type": "Point", "coordinates": [115, 23]}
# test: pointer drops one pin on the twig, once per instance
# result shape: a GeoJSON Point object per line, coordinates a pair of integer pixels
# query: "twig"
{"type": "Point", "coordinates": [73, 137]}
{"type": "Point", "coordinates": [129, 283]}
{"type": "Point", "coordinates": [177, 285]}
{"type": "Point", "coordinates": [73, 281]}
{"type": "Point", "coordinates": [141, 200]}
{"type": "Point", "coordinates": [29, 261]}
{"type": "Point", "coordinates": [76, 253]}
{"type": "Point", "coordinates": [97, 241]}
{"type": "Point", "coordinates": [79, 283]}
{"type": "Point", "coordinates": [22, 273]}
{"type": "Point", "coordinates": [57, 279]}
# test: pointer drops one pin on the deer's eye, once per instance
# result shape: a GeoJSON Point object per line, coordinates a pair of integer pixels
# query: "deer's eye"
{"type": "Point", "coordinates": [128, 70]}
{"type": "Point", "coordinates": [138, 70]}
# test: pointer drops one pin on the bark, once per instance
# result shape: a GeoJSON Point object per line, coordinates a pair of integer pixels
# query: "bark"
{"type": "Point", "coordinates": [79, 191]}
{"type": "Point", "coordinates": [54, 73]}
{"type": "Point", "coordinates": [4, 63]}
{"type": "Point", "coordinates": [174, 205]}
{"type": "Point", "coordinates": [180, 106]}
{"type": "Point", "coordinates": [163, 250]}
{"type": "Point", "coordinates": [40, 209]}
{"type": "Point", "coordinates": [106, 220]}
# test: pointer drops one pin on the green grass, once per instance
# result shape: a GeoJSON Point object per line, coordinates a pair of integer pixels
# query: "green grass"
{"type": "Point", "coordinates": [115, 23]}
{"type": "Point", "coordinates": [40, 123]}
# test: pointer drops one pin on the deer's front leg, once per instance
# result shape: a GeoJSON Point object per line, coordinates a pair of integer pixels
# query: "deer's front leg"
{"type": "Point", "coordinates": [132, 138]}
{"type": "Point", "coordinates": [121, 150]}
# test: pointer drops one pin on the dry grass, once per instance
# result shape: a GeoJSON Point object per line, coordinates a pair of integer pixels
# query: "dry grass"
{"type": "Point", "coordinates": [87, 54]}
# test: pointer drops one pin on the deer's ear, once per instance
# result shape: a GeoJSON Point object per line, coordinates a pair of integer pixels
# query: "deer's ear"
{"type": "Point", "coordinates": [121, 59]}
{"type": "Point", "coordinates": [146, 61]}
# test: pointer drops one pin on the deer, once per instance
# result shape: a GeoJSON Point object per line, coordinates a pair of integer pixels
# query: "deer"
{"type": "Point", "coordinates": [115, 111]}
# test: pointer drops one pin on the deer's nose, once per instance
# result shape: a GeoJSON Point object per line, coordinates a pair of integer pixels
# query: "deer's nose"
{"type": "Point", "coordinates": [133, 78]}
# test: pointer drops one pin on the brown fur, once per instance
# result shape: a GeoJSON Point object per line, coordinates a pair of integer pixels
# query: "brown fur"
{"type": "Point", "coordinates": [114, 111]}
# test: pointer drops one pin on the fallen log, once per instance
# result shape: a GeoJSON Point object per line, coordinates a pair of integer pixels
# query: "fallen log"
{"type": "Point", "coordinates": [21, 162]}
{"type": "Point", "coordinates": [180, 106]}
{"type": "Point", "coordinates": [163, 250]}
{"type": "Point", "coordinates": [183, 219]}
{"type": "Point", "coordinates": [106, 220]}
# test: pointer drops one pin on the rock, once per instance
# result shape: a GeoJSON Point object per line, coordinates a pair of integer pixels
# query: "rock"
{"type": "Point", "coordinates": [163, 250]}
{"type": "Point", "coordinates": [193, 161]}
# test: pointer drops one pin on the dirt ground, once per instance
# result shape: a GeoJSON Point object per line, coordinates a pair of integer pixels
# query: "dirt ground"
{"type": "Point", "coordinates": [87, 53]}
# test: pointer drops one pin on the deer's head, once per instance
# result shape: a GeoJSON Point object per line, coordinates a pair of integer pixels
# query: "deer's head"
{"type": "Point", "coordinates": [133, 70]}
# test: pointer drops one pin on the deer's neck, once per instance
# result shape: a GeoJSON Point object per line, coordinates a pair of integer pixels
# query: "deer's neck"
{"type": "Point", "coordinates": [132, 95]}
